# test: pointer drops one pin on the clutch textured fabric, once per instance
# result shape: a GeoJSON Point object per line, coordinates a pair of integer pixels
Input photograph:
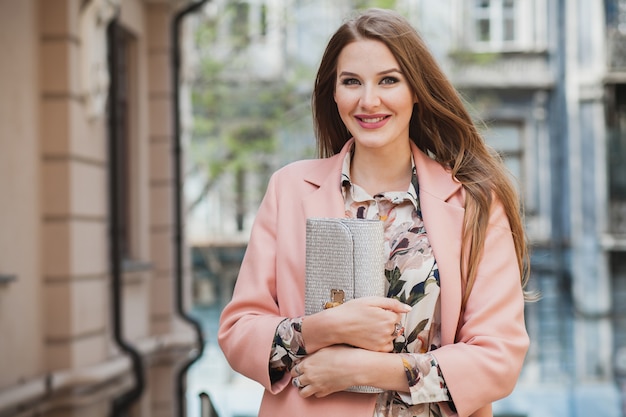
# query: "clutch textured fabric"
{"type": "Point", "coordinates": [344, 260]}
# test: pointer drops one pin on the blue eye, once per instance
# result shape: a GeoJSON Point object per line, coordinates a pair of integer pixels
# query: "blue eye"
{"type": "Point", "coordinates": [350, 81]}
{"type": "Point", "coordinates": [389, 80]}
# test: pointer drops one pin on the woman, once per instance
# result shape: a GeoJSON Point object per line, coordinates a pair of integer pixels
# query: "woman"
{"type": "Point", "coordinates": [396, 144]}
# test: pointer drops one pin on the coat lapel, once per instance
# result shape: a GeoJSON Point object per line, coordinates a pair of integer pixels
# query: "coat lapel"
{"type": "Point", "coordinates": [441, 201]}
{"type": "Point", "coordinates": [327, 200]}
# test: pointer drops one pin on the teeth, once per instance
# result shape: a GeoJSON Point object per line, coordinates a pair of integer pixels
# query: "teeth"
{"type": "Point", "coordinates": [373, 120]}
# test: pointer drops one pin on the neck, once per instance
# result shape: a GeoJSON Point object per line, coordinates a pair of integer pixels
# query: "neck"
{"type": "Point", "coordinates": [378, 171]}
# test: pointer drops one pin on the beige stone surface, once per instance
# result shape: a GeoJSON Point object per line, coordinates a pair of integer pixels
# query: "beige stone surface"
{"type": "Point", "coordinates": [60, 57]}
{"type": "Point", "coordinates": [161, 250]}
{"type": "Point", "coordinates": [136, 305]}
{"type": "Point", "coordinates": [90, 304]}
{"type": "Point", "coordinates": [89, 189]}
{"type": "Point", "coordinates": [56, 121]}
{"type": "Point", "coordinates": [160, 80]}
{"type": "Point", "coordinates": [76, 352]}
{"type": "Point", "coordinates": [161, 206]}
{"type": "Point", "coordinates": [162, 296]}
{"type": "Point", "coordinates": [76, 307]}
{"type": "Point", "coordinates": [58, 310]}
{"type": "Point", "coordinates": [89, 247]}
{"type": "Point", "coordinates": [59, 17]}
{"type": "Point", "coordinates": [158, 18]}
{"type": "Point", "coordinates": [66, 130]}
{"type": "Point", "coordinates": [55, 194]}
{"type": "Point", "coordinates": [56, 259]}
{"type": "Point", "coordinates": [54, 216]}
{"type": "Point", "coordinates": [161, 160]}
{"type": "Point", "coordinates": [20, 300]}
{"type": "Point", "coordinates": [161, 116]}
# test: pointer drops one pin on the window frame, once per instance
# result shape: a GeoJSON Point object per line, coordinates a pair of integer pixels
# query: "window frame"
{"type": "Point", "coordinates": [529, 20]}
{"type": "Point", "coordinates": [126, 103]}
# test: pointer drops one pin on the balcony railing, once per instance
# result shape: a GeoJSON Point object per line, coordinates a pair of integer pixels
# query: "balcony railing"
{"type": "Point", "coordinates": [501, 70]}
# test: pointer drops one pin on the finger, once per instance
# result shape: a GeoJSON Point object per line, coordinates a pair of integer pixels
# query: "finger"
{"type": "Point", "coordinates": [306, 392]}
{"type": "Point", "coordinates": [296, 370]}
{"type": "Point", "coordinates": [396, 306]}
{"type": "Point", "coordinates": [390, 304]}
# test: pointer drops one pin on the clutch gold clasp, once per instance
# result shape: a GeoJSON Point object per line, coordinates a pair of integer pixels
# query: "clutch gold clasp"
{"type": "Point", "coordinates": [337, 297]}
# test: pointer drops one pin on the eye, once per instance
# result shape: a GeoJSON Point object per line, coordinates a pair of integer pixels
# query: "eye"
{"type": "Point", "coordinates": [389, 80]}
{"type": "Point", "coordinates": [350, 81]}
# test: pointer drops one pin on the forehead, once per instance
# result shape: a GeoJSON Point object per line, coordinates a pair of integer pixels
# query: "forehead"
{"type": "Point", "coordinates": [366, 55]}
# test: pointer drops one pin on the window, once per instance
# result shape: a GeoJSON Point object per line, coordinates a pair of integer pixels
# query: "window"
{"type": "Point", "coordinates": [240, 28]}
{"type": "Point", "coordinates": [506, 138]}
{"type": "Point", "coordinates": [495, 22]}
{"type": "Point", "coordinates": [263, 20]}
{"type": "Point", "coordinates": [616, 154]}
{"type": "Point", "coordinates": [123, 107]}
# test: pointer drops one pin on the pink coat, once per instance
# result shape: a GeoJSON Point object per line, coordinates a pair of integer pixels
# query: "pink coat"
{"type": "Point", "coordinates": [482, 352]}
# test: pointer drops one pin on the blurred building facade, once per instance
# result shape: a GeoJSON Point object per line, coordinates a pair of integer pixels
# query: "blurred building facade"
{"type": "Point", "coordinates": [89, 325]}
{"type": "Point", "coordinates": [547, 78]}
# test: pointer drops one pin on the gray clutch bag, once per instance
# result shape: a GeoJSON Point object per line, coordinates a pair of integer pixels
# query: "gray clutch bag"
{"type": "Point", "coordinates": [344, 260]}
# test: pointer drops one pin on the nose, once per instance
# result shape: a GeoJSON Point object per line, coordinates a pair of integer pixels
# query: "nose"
{"type": "Point", "coordinates": [370, 98]}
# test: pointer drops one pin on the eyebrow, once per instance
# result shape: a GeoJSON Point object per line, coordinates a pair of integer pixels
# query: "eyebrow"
{"type": "Point", "coordinates": [389, 71]}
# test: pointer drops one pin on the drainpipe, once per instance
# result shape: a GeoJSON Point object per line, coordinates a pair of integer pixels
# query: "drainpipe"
{"type": "Point", "coordinates": [120, 405]}
{"type": "Point", "coordinates": [181, 384]}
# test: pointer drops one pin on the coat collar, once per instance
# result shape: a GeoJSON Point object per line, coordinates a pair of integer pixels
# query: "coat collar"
{"type": "Point", "coordinates": [433, 178]}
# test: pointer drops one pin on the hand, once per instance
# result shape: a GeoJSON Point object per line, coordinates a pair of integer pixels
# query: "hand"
{"type": "Point", "coordinates": [368, 323]}
{"type": "Point", "coordinates": [328, 370]}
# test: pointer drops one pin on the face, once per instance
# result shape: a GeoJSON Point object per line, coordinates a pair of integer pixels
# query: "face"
{"type": "Point", "coordinates": [373, 97]}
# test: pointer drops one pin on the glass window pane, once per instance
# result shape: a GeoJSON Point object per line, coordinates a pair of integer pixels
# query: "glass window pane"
{"type": "Point", "coordinates": [514, 165]}
{"type": "Point", "coordinates": [508, 30]}
{"type": "Point", "coordinates": [239, 25]}
{"type": "Point", "coordinates": [263, 20]}
{"type": "Point", "coordinates": [483, 4]}
{"type": "Point", "coordinates": [504, 138]}
{"type": "Point", "coordinates": [483, 30]}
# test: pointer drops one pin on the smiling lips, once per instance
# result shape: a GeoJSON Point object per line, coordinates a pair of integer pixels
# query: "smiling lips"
{"type": "Point", "coordinates": [373, 121]}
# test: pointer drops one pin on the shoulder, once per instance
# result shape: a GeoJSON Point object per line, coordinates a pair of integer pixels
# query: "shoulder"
{"type": "Point", "coordinates": [304, 166]}
{"type": "Point", "coordinates": [309, 170]}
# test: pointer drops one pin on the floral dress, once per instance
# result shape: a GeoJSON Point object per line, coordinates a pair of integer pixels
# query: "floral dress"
{"type": "Point", "coordinates": [413, 278]}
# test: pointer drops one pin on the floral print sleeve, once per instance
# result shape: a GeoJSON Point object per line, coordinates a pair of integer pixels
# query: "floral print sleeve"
{"type": "Point", "coordinates": [426, 383]}
{"type": "Point", "coordinates": [288, 347]}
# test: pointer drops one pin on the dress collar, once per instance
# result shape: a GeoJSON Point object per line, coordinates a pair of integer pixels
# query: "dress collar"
{"type": "Point", "coordinates": [358, 194]}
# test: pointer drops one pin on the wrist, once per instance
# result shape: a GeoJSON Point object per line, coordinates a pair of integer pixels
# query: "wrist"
{"type": "Point", "coordinates": [381, 370]}
{"type": "Point", "coordinates": [318, 331]}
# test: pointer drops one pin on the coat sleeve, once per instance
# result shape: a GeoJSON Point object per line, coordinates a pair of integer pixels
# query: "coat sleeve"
{"type": "Point", "coordinates": [485, 361]}
{"type": "Point", "coordinates": [249, 321]}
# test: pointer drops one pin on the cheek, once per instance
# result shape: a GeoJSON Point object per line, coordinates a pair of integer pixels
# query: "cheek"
{"type": "Point", "coordinates": [345, 101]}
{"type": "Point", "coordinates": [405, 102]}
{"type": "Point", "coordinates": [341, 105]}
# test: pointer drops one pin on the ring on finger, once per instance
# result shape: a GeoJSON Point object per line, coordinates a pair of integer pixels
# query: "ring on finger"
{"type": "Point", "coordinates": [398, 330]}
{"type": "Point", "coordinates": [296, 383]}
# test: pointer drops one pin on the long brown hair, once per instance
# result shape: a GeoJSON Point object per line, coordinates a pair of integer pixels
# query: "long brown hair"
{"type": "Point", "coordinates": [440, 126]}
